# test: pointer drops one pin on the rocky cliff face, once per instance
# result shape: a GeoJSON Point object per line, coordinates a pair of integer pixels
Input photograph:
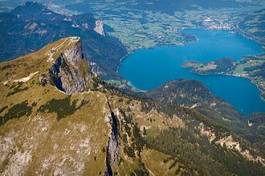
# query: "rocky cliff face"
{"type": "Point", "coordinates": [70, 72]}
{"type": "Point", "coordinates": [113, 143]}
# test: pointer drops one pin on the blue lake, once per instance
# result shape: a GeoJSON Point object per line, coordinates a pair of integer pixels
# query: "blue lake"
{"type": "Point", "coordinates": [149, 68]}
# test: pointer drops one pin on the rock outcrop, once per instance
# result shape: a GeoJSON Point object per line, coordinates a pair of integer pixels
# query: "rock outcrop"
{"type": "Point", "coordinates": [113, 144]}
{"type": "Point", "coordinates": [70, 72]}
{"type": "Point", "coordinates": [99, 27]}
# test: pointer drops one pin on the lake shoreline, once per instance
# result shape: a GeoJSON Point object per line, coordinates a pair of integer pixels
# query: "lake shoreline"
{"type": "Point", "coordinates": [138, 70]}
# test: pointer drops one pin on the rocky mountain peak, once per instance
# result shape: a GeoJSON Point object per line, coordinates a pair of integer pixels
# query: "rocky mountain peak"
{"type": "Point", "coordinates": [74, 53]}
{"type": "Point", "coordinates": [70, 72]}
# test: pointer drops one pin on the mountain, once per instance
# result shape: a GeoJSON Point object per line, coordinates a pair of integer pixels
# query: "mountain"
{"type": "Point", "coordinates": [30, 26]}
{"type": "Point", "coordinates": [59, 118]}
{"type": "Point", "coordinates": [193, 94]}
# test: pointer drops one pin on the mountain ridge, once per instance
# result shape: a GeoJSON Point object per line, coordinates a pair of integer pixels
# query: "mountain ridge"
{"type": "Point", "coordinates": [32, 25]}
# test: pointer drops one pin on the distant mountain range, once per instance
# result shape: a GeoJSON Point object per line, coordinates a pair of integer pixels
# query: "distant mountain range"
{"type": "Point", "coordinates": [32, 25]}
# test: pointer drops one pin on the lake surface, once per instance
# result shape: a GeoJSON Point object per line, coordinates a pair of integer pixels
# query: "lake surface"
{"type": "Point", "coordinates": [149, 68]}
